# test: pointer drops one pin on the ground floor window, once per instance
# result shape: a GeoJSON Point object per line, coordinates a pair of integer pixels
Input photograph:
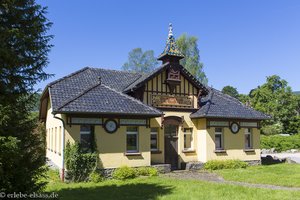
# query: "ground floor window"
{"type": "Point", "coordinates": [154, 139]}
{"type": "Point", "coordinates": [86, 137]}
{"type": "Point", "coordinates": [132, 139]}
{"type": "Point", "coordinates": [219, 140]}
{"type": "Point", "coordinates": [188, 138]}
{"type": "Point", "coordinates": [248, 138]}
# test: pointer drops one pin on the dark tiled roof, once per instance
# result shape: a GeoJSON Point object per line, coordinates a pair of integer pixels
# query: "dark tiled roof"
{"type": "Point", "coordinates": [76, 89]}
{"type": "Point", "coordinates": [219, 105]}
{"type": "Point", "coordinates": [103, 99]}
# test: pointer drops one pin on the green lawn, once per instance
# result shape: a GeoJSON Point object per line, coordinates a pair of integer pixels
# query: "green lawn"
{"type": "Point", "coordinates": [279, 174]}
{"type": "Point", "coordinates": [162, 188]}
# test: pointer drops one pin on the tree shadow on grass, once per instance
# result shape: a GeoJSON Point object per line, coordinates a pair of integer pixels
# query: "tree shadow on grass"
{"type": "Point", "coordinates": [130, 191]}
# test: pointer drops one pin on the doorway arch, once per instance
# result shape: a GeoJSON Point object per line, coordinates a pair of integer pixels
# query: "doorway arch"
{"type": "Point", "coordinates": [171, 127]}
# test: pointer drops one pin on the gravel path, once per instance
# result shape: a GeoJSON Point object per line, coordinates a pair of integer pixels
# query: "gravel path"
{"type": "Point", "coordinates": [212, 177]}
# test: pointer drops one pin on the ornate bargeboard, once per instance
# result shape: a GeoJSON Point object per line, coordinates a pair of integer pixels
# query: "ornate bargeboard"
{"type": "Point", "coordinates": [172, 101]}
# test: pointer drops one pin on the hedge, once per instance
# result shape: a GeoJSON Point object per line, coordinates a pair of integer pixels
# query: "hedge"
{"type": "Point", "coordinates": [280, 143]}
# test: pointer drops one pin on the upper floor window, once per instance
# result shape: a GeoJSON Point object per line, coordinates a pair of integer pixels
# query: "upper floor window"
{"type": "Point", "coordinates": [248, 138]}
{"type": "Point", "coordinates": [219, 140]}
{"type": "Point", "coordinates": [154, 139]}
{"type": "Point", "coordinates": [132, 139]}
{"type": "Point", "coordinates": [188, 138]}
{"type": "Point", "coordinates": [173, 75]}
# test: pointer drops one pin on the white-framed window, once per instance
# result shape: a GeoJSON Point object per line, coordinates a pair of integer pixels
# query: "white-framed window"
{"type": "Point", "coordinates": [188, 138]}
{"type": "Point", "coordinates": [47, 132]}
{"type": "Point", "coordinates": [154, 139]}
{"type": "Point", "coordinates": [132, 139]}
{"type": "Point", "coordinates": [219, 139]}
{"type": "Point", "coordinates": [248, 138]}
{"type": "Point", "coordinates": [52, 139]}
{"type": "Point", "coordinates": [86, 137]}
{"type": "Point", "coordinates": [59, 140]}
{"type": "Point", "coordinates": [55, 140]}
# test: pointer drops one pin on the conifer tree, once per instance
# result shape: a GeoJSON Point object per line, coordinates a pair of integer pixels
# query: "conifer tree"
{"type": "Point", "coordinates": [24, 47]}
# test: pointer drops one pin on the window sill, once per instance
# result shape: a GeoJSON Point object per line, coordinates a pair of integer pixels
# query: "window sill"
{"type": "Point", "coordinates": [189, 151]}
{"type": "Point", "coordinates": [132, 154]}
{"type": "Point", "coordinates": [220, 151]}
{"type": "Point", "coordinates": [249, 150]}
{"type": "Point", "coordinates": [155, 152]}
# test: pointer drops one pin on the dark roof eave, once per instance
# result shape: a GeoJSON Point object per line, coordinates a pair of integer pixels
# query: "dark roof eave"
{"type": "Point", "coordinates": [107, 113]}
{"type": "Point", "coordinates": [231, 117]}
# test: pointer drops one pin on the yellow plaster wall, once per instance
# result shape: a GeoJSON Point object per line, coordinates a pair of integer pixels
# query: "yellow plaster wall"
{"type": "Point", "coordinates": [54, 153]}
{"type": "Point", "coordinates": [234, 145]}
{"type": "Point", "coordinates": [201, 140]}
{"type": "Point", "coordinates": [112, 147]}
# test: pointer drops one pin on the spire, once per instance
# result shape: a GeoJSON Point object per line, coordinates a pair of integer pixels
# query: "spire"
{"type": "Point", "coordinates": [171, 48]}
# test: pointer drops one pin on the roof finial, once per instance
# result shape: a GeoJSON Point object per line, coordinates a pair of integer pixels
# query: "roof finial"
{"type": "Point", "coordinates": [170, 29]}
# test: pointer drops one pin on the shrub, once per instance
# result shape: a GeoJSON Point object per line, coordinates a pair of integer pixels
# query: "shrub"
{"type": "Point", "coordinates": [124, 173]}
{"type": "Point", "coordinates": [79, 164]}
{"type": "Point", "coordinates": [95, 177]}
{"type": "Point", "coordinates": [280, 143]}
{"type": "Point", "coordinates": [224, 164]}
{"type": "Point", "coordinates": [146, 171]}
{"type": "Point", "coordinates": [153, 171]}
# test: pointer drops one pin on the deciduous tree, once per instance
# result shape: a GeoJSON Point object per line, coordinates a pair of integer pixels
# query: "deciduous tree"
{"type": "Point", "coordinates": [139, 61]}
{"type": "Point", "coordinates": [275, 98]}
{"type": "Point", "coordinates": [189, 47]}
{"type": "Point", "coordinates": [232, 91]}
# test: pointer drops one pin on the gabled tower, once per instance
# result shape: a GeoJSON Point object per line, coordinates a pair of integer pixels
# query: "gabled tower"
{"type": "Point", "coordinates": [172, 55]}
{"type": "Point", "coordinates": [171, 52]}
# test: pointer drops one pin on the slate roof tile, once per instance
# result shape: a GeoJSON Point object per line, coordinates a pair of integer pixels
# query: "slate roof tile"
{"type": "Point", "coordinates": [219, 105]}
{"type": "Point", "coordinates": [103, 99]}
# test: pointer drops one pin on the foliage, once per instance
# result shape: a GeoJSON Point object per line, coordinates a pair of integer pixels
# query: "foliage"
{"type": "Point", "coordinates": [124, 173]}
{"type": "Point", "coordinates": [225, 164]}
{"type": "Point", "coordinates": [280, 174]}
{"type": "Point", "coordinates": [79, 165]}
{"type": "Point", "coordinates": [146, 171]}
{"type": "Point", "coordinates": [9, 152]}
{"type": "Point", "coordinates": [275, 98]}
{"type": "Point", "coordinates": [272, 129]}
{"type": "Point", "coordinates": [245, 99]}
{"type": "Point", "coordinates": [280, 143]}
{"type": "Point", "coordinates": [231, 91]}
{"type": "Point", "coordinates": [24, 48]}
{"type": "Point", "coordinates": [163, 188]}
{"type": "Point", "coordinates": [139, 61]}
{"type": "Point", "coordinates": [95, 177]}
{"type": "Point", "coordinates": [189, 47]}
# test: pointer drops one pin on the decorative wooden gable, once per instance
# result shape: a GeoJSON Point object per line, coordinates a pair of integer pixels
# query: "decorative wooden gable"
{"type": "Point", "coordinates": [171, 89]}
{"type": "Point", "coordinates": [173, 78]}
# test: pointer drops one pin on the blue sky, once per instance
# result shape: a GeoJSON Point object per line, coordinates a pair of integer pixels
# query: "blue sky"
{"type": "Point", "coordinates": [241, 42]}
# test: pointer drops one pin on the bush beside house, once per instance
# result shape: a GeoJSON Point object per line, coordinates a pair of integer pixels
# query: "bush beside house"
{"type": "Point", "coordinates": [224, 164]}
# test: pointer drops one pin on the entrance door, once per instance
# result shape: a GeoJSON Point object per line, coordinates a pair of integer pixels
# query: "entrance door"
{"type": "Point", "coordinates": [171, 145]}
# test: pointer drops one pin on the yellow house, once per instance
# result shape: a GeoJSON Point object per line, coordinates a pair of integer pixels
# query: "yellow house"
{"type": "Point", "coordinates": [163, 117]}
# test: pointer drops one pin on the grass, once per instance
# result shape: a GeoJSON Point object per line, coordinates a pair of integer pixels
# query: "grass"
{"type": "Point", "coordinates": [161, 188]}
{"type": "Point", "coordinates": [279, 174]}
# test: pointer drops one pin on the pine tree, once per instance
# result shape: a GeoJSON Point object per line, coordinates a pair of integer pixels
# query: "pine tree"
{"type": "Point", "coordinates": [24, 47]}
